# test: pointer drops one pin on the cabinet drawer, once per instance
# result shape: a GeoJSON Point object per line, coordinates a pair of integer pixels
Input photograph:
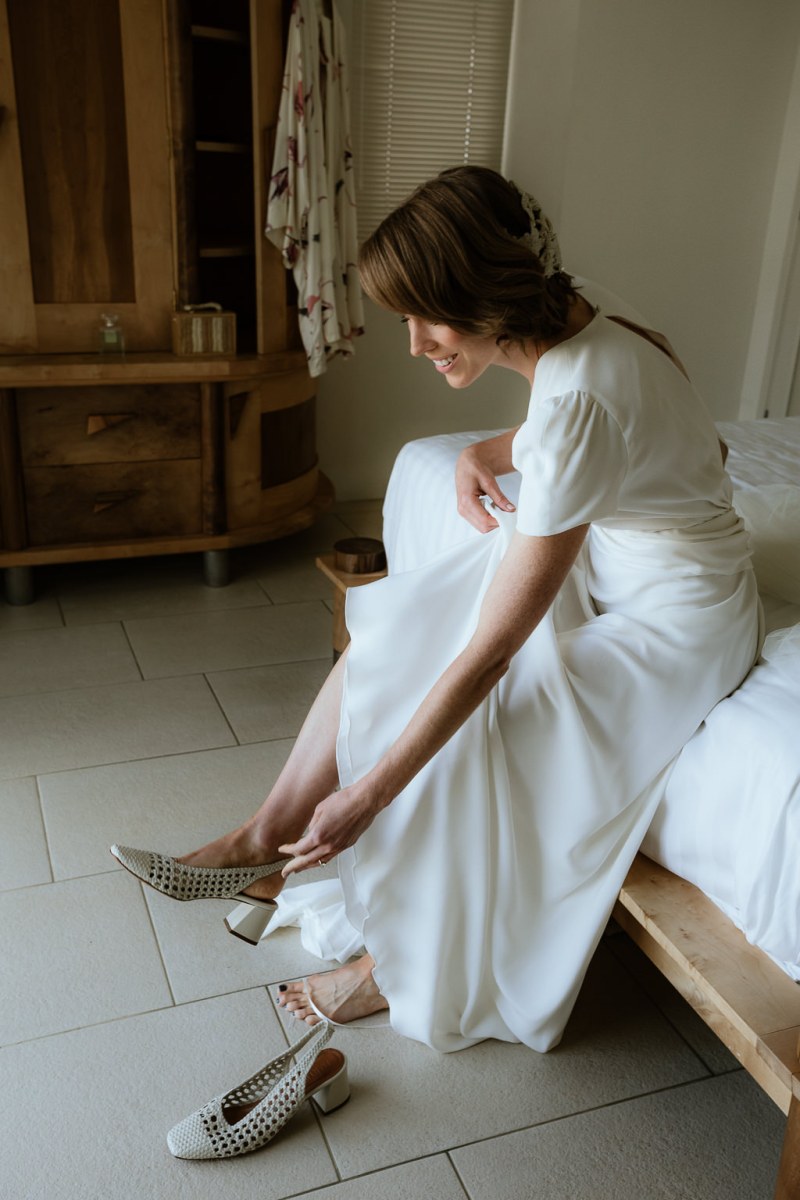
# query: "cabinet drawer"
{"type": "Point", "coordinates": [65, 426]}
{"type": "Point", "coordinates": [102, 503]}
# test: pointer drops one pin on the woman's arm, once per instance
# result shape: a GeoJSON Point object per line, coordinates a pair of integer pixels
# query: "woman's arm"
{"type": "Point", "coordinates": [521, 592]}
{"type": "Point", "coordinates": [477, 469]}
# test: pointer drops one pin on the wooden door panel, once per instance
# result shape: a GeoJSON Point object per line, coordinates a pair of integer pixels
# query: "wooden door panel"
{"type": "Point", "coordinates": [92, 114]}
{"type": "Point", "coordinates": [17, 317]}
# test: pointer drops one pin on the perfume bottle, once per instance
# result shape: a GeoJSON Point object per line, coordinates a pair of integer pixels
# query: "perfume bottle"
{"type": "Point", "coordinates": [110, 335]}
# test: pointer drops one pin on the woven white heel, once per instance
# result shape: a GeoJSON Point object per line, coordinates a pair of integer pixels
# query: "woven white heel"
{"type": "Point", "coordinates": [250, 1115]}
{"type": "Point", "coordinates": [183, 882]}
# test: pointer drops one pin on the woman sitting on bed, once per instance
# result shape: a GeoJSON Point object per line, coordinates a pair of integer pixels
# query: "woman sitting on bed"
{"type": "Point", "coordinates": [502, 726]}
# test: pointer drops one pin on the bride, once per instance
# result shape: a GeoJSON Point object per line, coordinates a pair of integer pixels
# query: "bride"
{"type": "Point", "coordinates": [485, 759]}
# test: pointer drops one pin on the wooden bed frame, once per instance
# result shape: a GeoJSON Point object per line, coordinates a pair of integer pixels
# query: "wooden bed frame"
{"type": "Point", "coordinates": [749, 1002]}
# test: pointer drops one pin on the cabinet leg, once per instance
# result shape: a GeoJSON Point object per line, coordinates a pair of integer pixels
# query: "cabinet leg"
{"type": "Point", "coordinates": [216, 568]}
{"type": "Point", "coordinates": [19, 585]}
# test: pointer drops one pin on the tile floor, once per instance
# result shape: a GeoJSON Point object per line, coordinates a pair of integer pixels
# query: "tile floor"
{"type": "Point", "coordinates": [138, 705]}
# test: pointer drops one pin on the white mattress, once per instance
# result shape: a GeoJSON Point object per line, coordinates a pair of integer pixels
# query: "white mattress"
{"type": "Point", "coordinates": [730, 822]}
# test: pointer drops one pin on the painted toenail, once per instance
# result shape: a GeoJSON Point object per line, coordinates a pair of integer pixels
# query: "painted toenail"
{"type": "Point", "coordinates": [283, 987]}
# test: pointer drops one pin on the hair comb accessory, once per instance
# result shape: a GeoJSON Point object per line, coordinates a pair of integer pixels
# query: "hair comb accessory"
{"type": "Point", "coordinates": [542, 238]}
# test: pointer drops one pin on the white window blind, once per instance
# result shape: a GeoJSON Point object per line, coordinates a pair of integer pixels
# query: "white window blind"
{"type": "Point", "coordinates": [427, 91]}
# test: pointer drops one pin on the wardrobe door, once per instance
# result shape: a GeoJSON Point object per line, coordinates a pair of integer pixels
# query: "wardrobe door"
{"type": "Point", "coordinates": [88, 210]}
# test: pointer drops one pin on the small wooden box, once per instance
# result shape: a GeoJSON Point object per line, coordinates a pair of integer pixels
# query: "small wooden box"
{"type": "Point", "coordinates": [204, 333]}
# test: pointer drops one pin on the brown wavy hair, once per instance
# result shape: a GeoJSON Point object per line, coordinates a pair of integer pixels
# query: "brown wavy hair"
{"type": "Point", "coordinates": [451, 254]}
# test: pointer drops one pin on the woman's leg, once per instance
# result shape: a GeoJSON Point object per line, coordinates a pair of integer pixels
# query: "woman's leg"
{"type": "Point", "coordinates": [309, 776]}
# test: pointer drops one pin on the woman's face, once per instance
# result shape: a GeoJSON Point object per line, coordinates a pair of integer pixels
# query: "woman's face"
{"type": "Point", "coordinates": [463, 357]}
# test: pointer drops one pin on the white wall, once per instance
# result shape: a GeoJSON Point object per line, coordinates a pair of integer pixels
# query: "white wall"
{"type": "Point", "coordinates": [653, 133]}
{"type": "Point", "coordinates": [649, 130]}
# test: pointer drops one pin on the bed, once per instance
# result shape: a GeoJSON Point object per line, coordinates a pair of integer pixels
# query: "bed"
{"type": "Point", "coordinates": [713, 898]}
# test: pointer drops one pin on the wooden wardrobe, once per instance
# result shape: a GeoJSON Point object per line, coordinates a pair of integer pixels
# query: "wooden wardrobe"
{"type": "Point", "coordinates": [135, 150]}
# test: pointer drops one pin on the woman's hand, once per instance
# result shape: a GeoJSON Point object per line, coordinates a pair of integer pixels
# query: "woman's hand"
{"type": "Point", "coordinates": [475, 477]}
{"type": "Point", "coordinates": [337, 823]}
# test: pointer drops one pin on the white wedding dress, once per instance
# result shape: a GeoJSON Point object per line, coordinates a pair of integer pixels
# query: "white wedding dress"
{"type": "Point", "coordinates": [482, 890]}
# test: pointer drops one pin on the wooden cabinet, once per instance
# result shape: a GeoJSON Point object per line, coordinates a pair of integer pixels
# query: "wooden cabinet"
{"type": "Point", "coordinates": [135, 146]}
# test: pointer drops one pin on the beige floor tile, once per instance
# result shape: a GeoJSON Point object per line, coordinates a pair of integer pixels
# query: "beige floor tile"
{"type": "Point", "coordinates": [715, 1140]}
{"type": "Point", "coordinates": [150, 588]}
{"type": "Point", "coordinates": [702, 1039]}
{"type": "Point", "coordinates": [23, 848]}
{"type": "Point", "coordinates": [203, 959]}
{"type": "Point", "coordinates": [171, 804]}
{"type": "Point", "coordinates": [222, 641]}
{"type": "Point", "coordinates": [86, 726]}
{"type": "Point", "coordinates": [291, 581]}
{"type": "Point", "coordinates": [91, 1109]}
{"type": "Point", "coordinates": [428, 1178]}
{"type": "Point", "coordinates": [269, 702]}
{"type": "Point", "coordinates": [411, 1101]}
{"type": "Point", "coordinates": [44, 613]}
{"type": "Point", "coordinates": [47, 660]}
{"type": "Point", "coordinates": [76, 953]}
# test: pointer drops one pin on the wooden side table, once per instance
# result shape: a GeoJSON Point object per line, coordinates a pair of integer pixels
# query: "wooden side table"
{"type": "Point", "coordinates": [354, 561]}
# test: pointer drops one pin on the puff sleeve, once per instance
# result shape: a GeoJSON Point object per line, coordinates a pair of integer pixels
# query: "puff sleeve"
{"type": "Point", "coordinates": [572, 456]}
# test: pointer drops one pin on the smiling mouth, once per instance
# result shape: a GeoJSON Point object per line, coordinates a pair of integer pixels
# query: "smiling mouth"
{"type": "Point", "coordinates": [444, 362]}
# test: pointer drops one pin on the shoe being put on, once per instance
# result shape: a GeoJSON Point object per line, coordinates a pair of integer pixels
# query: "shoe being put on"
{"type": "Point", "coordinates": [181, 881]}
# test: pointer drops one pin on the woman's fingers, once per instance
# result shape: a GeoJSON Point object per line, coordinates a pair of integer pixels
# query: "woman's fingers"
{"type": "Point", "coordinates": [471, 509]}
{"type": "Point", "coordinates": [302, 862]}
{"type": "Point", "coordinates": [304, 854]}
{"type": "Point", "coordinates": [474, 480]}
{"type": "Point", "coordinates": [497, 497]}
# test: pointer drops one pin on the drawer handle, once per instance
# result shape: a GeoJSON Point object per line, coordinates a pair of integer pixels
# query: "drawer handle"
{"type": "Point", "coordinates": [105, 500]}
{"type": "Point", "coordinates": [100, 422]}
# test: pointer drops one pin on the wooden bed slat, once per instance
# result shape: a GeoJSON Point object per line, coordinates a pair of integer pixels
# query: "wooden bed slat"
{"type": "Point", "coordinates": [749, 1002]}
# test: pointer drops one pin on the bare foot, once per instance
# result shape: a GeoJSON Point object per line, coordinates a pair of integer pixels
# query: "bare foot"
{"type": "Point", "coordinates": [343, 995]}
{"type": "Point", "coordinates": [242, 848]}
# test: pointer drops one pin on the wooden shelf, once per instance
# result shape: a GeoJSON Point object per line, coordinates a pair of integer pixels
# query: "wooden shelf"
{"type": "Point", "coordinates": [222, 250]}
{"type": "Point", "coordinates": [72, 369]}
{"type": "Point", "coordinates": [213, 34]}
{"type": "Point", "coordinates": [224, 147]}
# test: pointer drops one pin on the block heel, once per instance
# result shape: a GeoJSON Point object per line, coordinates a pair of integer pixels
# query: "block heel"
{"type": "Point", "coordinates": [335, 1093]}
{"type": "Point", "coordinates": [250, 918]}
